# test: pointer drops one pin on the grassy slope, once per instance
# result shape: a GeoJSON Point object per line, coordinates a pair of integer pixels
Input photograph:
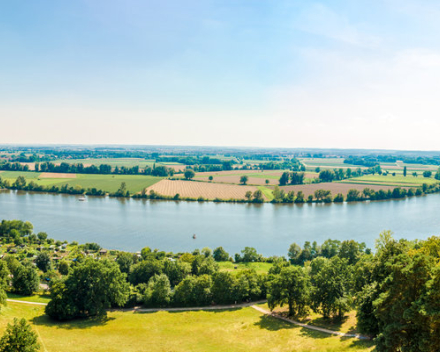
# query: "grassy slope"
{"type": "Point", "coordinates": [108, 183]}
{"type": "Point", "coordinates": [266, 191]}
{"type": "Point", "coordinates": [233, 330]}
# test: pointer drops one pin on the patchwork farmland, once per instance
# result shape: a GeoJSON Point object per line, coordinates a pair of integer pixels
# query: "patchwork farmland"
{"type": "Point", "coordinates": [200, 189]}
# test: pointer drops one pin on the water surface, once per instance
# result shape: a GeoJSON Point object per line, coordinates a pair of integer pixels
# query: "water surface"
{"type": "Point", "coordinates": [131, 224]}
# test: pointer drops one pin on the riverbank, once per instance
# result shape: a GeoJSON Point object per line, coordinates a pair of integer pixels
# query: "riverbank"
{"type": "Point", "coordinates": [149, 187]}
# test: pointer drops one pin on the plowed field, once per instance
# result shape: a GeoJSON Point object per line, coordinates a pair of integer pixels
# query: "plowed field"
{"type": "Point", "coordinates": [200, 189]}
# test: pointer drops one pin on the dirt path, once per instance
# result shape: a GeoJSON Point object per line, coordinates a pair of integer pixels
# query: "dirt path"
{"type": "Point", "coordinates": [311, 327]}
{"type": "Point", "coordinates": [26, 302]}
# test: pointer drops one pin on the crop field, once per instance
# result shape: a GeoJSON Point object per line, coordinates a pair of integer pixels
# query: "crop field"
{"type": "Point", "coordinates": [326, 163]}
{"type": "Point", "coordinates": [334, 187]}
{"type": "Point", "coordinates": [200, 189]}
{"type": "Point", "coordinates": [255, 177]}
{"type": "Point", "coordinates": [108, 183]}
{"type": "Point", "coordinates": [245, 330]}
{"type": "Point", "coordinates": [398, 180]}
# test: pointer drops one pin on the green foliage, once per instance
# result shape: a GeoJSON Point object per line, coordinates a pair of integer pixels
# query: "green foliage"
{"type": "Point", "coordinates": [331, 284]}
{"type": "Point", "coordinates": [25, 280]}
{"type": "Point", "coordinates": [220, 255]}
{"type": "Point", "coordinates": [89, 290]}
{"type": "Point", "coordinates": [189, 174]}
{"type": "Point", "coordinates": [19, 337]}
{"type": "Point", "coordinates": [63, 267]}
{"type": "Point", "coordinates": [125, 261]}
{"type": "Point", "coordinates": [43, 261]}
{"type": "Point", "coordinates": [193, 291]}
{"type": "Point", "coordinates": [158, 292]}
{"type": "Point", "coordinates": [143, 271]}
{"type": "Point", "coordinates": [249, 254]}
{"type": "Point", "coordinates": [292, 287]}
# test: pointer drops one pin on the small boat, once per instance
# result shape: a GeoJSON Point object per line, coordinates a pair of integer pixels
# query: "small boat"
{"type": "Point", "coordinates": [194, 237]}
{"type": "Point", "coordinates": [82, 199]}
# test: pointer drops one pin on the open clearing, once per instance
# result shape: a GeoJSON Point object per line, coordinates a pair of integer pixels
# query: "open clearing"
{"type": "Point", "coordinates": [200, 189]}
{"type": "Point", "coordinates": [334, 187]}
{"type": "Point", "coordinates": [232, 330]}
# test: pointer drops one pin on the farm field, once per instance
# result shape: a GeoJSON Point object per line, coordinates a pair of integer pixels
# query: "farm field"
{"type": "Point", "coordinates": [231, 330]}
{"type": "Point", "coordinates": [200, 189]}
{"type": "Point", "coordinates": [398, 180]}
{"type": "Point", "coordinates": [312, 163]}
{"type": "Point", "coordinates": [255, 177]}
{"type": "Point", "coordinates": [108, 183]}
{"type": "Point", "coordinates": [334, 187]}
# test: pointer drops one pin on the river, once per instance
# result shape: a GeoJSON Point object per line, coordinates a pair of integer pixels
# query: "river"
{"type": "Point", "coordinates": [131, 224]}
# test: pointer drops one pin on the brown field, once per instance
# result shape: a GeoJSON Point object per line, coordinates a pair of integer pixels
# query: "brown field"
{"type": "Point", "coordinates": [235, 179]}
{"type": "Point", "coordinates": [56, 175]}
{"type": "Point", "coordinates": [176, 167]}
{"type": "Point", "coordinates": [229, 172]}
{"type": "Point", "coordinates": [200, 189]}
{"type": "Point", "coordinates": [335, 188]}
{"type": "Point", "coordinates": [30, 165]}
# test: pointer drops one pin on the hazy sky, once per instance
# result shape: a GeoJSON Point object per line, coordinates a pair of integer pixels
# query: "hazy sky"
{"type": "Point", "coordinates": [348, 74]}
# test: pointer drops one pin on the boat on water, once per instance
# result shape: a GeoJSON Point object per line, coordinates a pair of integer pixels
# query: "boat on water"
{"type": "Point", "coordinates": [82, 199]}
{"type": "Point", "coordinates": [194, 237]}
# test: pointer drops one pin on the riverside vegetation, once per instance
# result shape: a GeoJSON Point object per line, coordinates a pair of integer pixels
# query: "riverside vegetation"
{"type": "Point", "coordinates": [329, 279]}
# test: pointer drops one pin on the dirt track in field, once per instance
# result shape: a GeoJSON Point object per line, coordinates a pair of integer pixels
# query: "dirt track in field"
{"type": "Point", "coordinates": [196, 189]}
{"type": "Point", "coordinates": [56, 175]}
{"type": "Point", "coordinates": [335, 188]}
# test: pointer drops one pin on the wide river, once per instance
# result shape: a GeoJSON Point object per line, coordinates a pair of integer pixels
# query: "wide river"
{"type": "Point", "coordinates": [130, 224]}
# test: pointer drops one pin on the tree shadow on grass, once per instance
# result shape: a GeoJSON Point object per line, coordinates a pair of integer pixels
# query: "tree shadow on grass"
{"type": "Point", "coordinates": [216, 311]}
{"type": "Point", "coordinates": [273, 324]}
{"type": "Point", "coordinates": [83, 323]}
{"type": "Point", "coordinates": [334, 324]}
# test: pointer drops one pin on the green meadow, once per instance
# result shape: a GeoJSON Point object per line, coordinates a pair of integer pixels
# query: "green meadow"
{"type": "Point", "coordinates": [238, 330]}
{"type": "Point", "coordinates": [108, 183]}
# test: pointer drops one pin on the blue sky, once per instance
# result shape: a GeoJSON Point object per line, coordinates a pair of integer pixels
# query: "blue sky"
{"type": "Point", "coordinates": [349, 74]}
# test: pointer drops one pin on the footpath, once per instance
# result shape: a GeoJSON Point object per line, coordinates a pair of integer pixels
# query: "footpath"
{"type": "Point", "coordinates": [225, 307]}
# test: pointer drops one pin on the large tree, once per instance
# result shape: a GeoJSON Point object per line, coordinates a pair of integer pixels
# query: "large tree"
{"type": "Point", "coordinates": [291, 287]}
{"type": "Point", "coordinates": [89, 290]}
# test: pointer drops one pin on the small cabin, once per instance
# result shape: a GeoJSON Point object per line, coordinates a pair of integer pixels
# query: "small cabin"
{"type": "Point", "coordinates": [103, 252]}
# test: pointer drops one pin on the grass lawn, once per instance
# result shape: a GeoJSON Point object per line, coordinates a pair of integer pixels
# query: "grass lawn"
{"type": "Point", "coordinates": [260, 268]}
{"type": "Point", "coordinates": [108, 183]}
{"type": "Point", "coordinates": [266, 191]}
{"type": "Point", "coordinates": [40, 298]}
{"type": "Point", "coordinates": [345, 325]}
{"type": "Point", "coordinates": [233, 330]}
